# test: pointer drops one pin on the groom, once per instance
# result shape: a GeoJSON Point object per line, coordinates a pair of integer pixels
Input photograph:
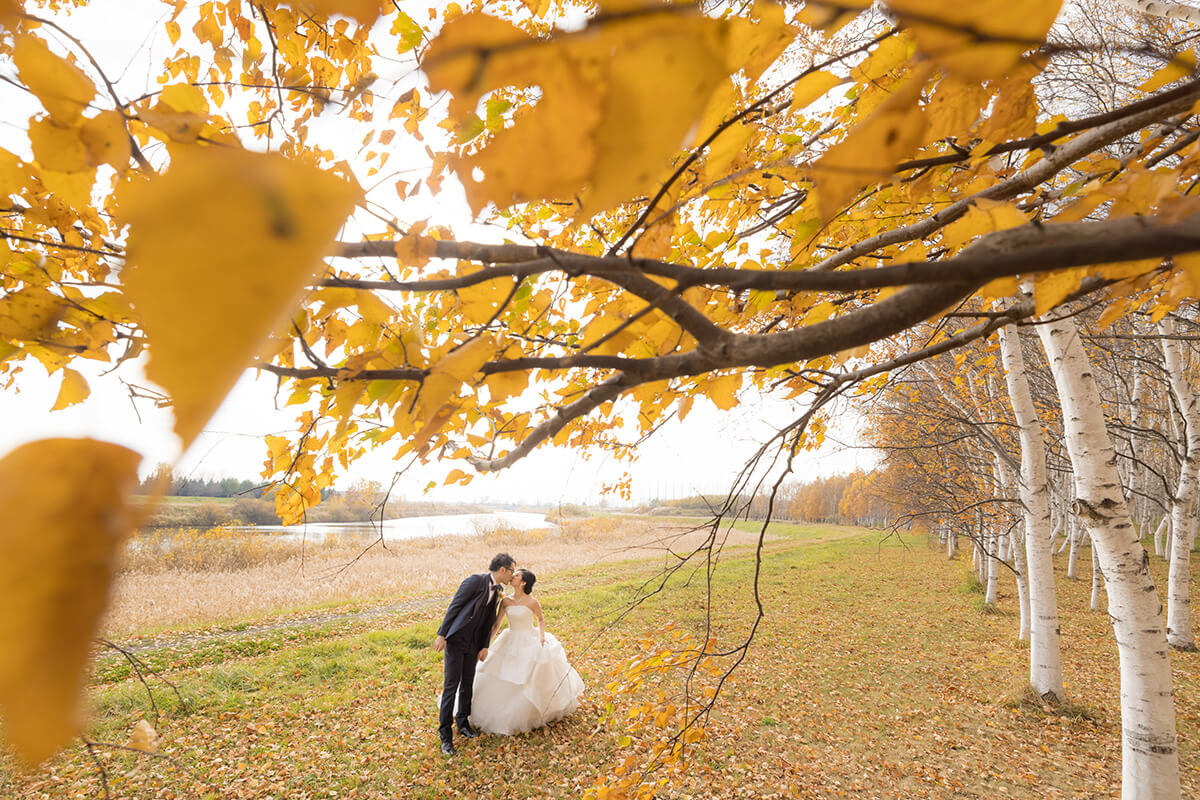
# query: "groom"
{"type": "Point", "coordinates": [464, 637]}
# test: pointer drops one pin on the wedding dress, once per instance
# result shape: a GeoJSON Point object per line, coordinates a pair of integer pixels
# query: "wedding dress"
{"type": "Point", "coordinates": [523, 685]}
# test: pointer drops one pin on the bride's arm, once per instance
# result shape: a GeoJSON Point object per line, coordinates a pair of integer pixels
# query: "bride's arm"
{"type": "Point", "coordinates": [499, 619]}
{"type": "Point", "coordinates": [537, 610]}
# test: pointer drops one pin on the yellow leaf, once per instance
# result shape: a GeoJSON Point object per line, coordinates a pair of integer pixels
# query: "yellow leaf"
{"type": "Point", "coordinates": [723, 151]}
{"type": "Point", "coordinates": [459, 477]}
{"type": "Point", "coordinates": [1120, 270]}
{"type": "Point", "coordinates": [364, 11]}
{"type": "Point", "coordinates": [1014, 111]}
{"type": "Point", "coordinates": [550, 153]}
{"type": "Point", "coordinates": [685, 407]}
{"type": "Point", "coordinates": [415, 250]}
{"type": "Point", "coordinates": [978, 40]}
{"type": "Point", "coordinates": [645, 121]}
{"type": "Point", "coordinates": [1000, 287]}
{"type": "Point", "coordinates": [58, 147]}
{"type": "Point", "coordinates": [871, 151]}
{"type": "Point", "coordinates": [617, 99]}
{"type": "Point", "coordinates": [1181, 66]}
{"type": "Point", "coordinates": [890, 54]}
{"type": "Point", "coordinates": [755, 42]}
{"type": "Point", "coordinates": [478, 302]}
{"type": "Point", "coordinates": [983, 217]}
{"type": "Point", "coordinates": [10, 13]}
{"type": "Point", "coordinates": [1111, 314]}
{"type": "Point", "coordinates": [1052, 288]}
{"type": "Point", "coordinates": [954, 109]}
{"type": "Point", "coordinates": [74, 390]}
{"type": "Point", "coordinates": [65, 520]}
{"type": "Point", "coordinates": [30, 314]}
{"type": "Point", "coordinates": [73, 187]}
{"type": "Point", "coordinates": [723, 391]}
{"type": "Point", "coordinates": [107, 140]}
{"type": "Point", "coordinates": [221, 248]}
{"type": "Point", "coordinates": [448, 375]}
{"type": "Point", "coordinates": [184, 98]}
{"type": "Point", "coordinates": [279, 454]}
{"type": "Point", "coordinates": [14, 174]}
{"type": "Point", "coordinates": [812, 87]}
{"type": "Point", "coordinates": [1190, 264]}
{"type": "Point", "coordinates": [502, 385]}
{"type": "Point", "coordinates": [143, 737]}
{"type": "Point", "coordinates": [61, 86]}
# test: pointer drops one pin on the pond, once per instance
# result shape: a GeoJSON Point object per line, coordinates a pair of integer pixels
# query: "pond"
{"type": "Point", "coordinates": [416, 527]}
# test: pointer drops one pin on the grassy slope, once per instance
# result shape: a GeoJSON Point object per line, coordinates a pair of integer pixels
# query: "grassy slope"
{"type": "Point", "coordinates": [874, 674]}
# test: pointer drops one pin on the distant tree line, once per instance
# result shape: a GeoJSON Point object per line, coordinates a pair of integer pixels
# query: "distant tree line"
{"type": "Point", "coordinates": [163, 476]}
{"type": "Point", "coordinates": [207, 487]}
{"type": "Point", "coordinates": [857, 498]}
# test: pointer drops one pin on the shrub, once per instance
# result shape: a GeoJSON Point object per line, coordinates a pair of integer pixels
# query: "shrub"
{"type": "Point", "coordinates": [254, 511]}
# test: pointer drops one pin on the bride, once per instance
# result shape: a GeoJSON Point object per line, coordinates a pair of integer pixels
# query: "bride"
{"type": "Point", "coordinates": [526, 681]}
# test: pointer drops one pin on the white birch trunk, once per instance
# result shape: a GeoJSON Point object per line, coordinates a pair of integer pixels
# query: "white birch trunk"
{"type": "Point", "coordinates": [1159, 8]}
{"type": "Point", "coordinates": [1149, 743]}
{"type": "Point", "coordinates": [991, 595]}
{"type": "Point", "coordinates": [1097, 581]}
{"type": "Point", "coordinates": [1004, 482]}
{"type": "Point", "coordinates": [1160, 532]}
{"type": "Point", "coordinates": [1073, 557]}
{"type": "Point", "coordinates": [1183, 504]}
{"type": "Point", "coordinates": [1070, 533]}
{"type": "Point", "coordinates": [1045, 655]}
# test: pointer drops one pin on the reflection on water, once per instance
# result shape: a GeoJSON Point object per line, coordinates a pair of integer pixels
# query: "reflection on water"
{"type": "Point", "coordinates": [414, 527]}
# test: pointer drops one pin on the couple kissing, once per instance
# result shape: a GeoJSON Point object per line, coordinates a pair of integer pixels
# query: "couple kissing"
{"type": "Point", "coordinates": [519, 682]}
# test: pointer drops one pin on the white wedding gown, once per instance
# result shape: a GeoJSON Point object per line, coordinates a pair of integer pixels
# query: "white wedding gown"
{"type": "Point", "coordinates": [523, 685]}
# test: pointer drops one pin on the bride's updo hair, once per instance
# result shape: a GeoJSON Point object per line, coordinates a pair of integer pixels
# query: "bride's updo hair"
{"type": "Point", "coordinates": [529, 580]}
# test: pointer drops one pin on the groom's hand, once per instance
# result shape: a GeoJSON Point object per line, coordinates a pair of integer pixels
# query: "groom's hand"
{"type": "Point", "coordinates": [439, 644]}
{"type": "Point", "coordinates": [483, 654]}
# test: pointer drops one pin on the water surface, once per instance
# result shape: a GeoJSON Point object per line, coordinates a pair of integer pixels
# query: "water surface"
{"type": "Point", "coordinates": [417, 527]}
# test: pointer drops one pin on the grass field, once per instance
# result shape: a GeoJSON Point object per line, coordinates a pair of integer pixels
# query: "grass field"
{"type": "Point", "coordinates": [873, 674]}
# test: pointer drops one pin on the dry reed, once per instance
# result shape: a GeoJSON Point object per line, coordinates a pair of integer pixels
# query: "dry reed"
{"type": "Point", "coordinates": [221, 576]}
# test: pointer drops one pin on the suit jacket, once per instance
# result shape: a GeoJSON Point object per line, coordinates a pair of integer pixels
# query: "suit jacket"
{"type": "Point", "coordinates": [468, 620]}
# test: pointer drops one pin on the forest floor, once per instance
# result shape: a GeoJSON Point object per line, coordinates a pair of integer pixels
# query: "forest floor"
{"type": "Point", "coordinates": [876, 672]}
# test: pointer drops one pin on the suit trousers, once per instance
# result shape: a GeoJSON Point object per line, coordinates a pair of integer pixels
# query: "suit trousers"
{"type": "Point", "coordinates": [459, 682]}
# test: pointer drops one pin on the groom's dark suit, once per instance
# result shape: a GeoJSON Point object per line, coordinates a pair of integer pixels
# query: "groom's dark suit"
{"type": "Point", "coordinates": [467, 628]}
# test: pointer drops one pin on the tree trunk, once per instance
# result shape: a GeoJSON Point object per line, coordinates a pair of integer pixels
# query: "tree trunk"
{"type": "Point", "coordinates": [993, 569]}
{"type": "Point", "coordinates": [1097, 581]}
{"type": "Point", "coordinates": [1045, 659]}
{"type": "Point", "coordinates": [1160, 549]}
{"type": "Point", "coordinates": [1068, 535]}
{"type": "Point", "coordinates": [1149, 743]}
{"type": "Point", "coordinates": [1183, 504]}
{"type": "Point", "coordinates": [1073, 558]}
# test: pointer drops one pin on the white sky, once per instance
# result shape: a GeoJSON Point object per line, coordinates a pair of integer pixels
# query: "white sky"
{"type": "Point", "coordinates": [701, 455]}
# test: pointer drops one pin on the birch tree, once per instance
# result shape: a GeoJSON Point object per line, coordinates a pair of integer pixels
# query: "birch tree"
{"type": "Point", "coordinates": [1150, 758]}
{"type": "Point", "coordinates": [1045, 661]}
{"type": "Point", "coordinates": [1183, 503]}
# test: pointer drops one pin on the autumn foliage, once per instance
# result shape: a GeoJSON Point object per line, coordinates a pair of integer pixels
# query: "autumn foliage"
{"type": "Point", "coordinates": [696, 202]}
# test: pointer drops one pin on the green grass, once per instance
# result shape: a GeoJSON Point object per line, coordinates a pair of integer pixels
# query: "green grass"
{"type": "Point", "coordinates": [180, 500]}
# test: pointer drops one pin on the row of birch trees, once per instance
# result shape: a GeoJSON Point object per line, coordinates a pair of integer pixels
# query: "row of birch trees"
{"type": "Point", "coordinates": [1053, 436]}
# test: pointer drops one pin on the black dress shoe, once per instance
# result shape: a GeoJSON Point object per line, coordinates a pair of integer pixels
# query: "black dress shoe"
{"type": "Point", "coordinates": [467, 732]}
{"type": "Point", "coordinates": [448, 747]}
